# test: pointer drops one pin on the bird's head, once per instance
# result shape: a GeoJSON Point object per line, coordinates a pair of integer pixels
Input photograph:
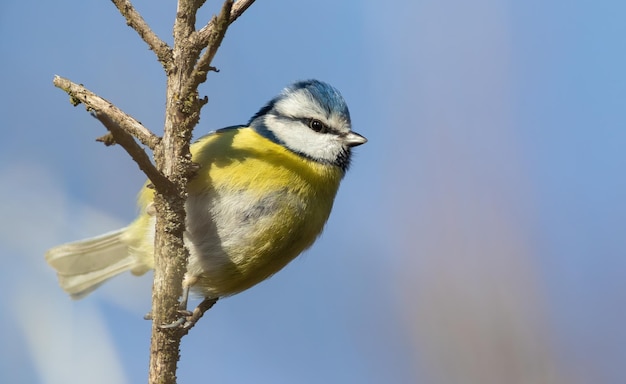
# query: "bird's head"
{"type": "Point", "coordinates": [310, 118]}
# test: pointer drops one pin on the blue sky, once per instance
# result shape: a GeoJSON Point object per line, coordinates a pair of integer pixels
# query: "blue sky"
{"type": "Point", "coordinates": [478, 237]}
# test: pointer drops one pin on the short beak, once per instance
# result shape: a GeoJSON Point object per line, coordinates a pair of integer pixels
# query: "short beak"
{"type": "Point", "coordinates": [353, 139]}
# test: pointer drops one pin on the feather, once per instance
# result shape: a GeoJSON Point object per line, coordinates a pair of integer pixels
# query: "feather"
{"type": "Point", "coordinates": [83, 265]}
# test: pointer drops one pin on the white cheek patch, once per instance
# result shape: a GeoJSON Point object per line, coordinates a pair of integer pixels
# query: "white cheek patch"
{"type": "Point", "coordinates": [300, 138]}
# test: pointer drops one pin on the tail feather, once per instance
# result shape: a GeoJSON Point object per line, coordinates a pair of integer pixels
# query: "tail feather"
{"type": "Point", "coordinates": [84, 265]}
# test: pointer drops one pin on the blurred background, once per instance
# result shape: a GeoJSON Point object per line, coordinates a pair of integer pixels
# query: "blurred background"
{"type": "Point", "coordinates": [478, 237]}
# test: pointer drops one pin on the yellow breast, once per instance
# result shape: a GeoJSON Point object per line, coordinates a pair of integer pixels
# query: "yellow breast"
{"type": "Point", "coordinates": [253, 207]}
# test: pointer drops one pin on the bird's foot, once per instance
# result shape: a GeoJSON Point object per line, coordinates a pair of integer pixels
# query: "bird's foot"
{"type": "Point", "coordinates": [189, 318]}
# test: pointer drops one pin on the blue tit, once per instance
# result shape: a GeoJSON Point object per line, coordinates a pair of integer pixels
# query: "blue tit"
{"type": "Point", "coordinates": [262, 195]}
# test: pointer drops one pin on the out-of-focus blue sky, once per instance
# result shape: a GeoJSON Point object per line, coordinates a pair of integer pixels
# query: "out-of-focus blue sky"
{"type": "Point", "coordinates": [478, 238]}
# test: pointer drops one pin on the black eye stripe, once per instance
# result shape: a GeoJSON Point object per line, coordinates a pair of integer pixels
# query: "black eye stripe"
{"type": "Point", "coordinates": [308, 122]}
{"type": "Point", "coordinates": [318, 126]}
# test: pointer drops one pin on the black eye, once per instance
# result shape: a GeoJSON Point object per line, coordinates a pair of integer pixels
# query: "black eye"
{"type": "Point", "coordinates": [318, 126]}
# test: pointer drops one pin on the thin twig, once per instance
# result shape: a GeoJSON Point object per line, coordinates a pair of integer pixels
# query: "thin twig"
{"type": "Point", "coordinates": [138, 154]}
{"type": "Point", "coordinates": [202, 37]}
{"type": "Point", "coordinates": [121, 126]}
{"type": "Point", "coordinates": [93, 102]}
{"type": "Point", "coordinates": [238, 9]}
{"type": "Point", "coordinates": [135, 21]}
{"type": "Point", "coordinates": [203, 66]}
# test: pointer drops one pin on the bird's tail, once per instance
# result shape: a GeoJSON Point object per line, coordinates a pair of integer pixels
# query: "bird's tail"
{"type": "Point", "coordinates": [83, 265]}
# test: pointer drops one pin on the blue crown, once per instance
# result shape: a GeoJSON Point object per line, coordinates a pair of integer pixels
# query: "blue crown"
{"type": "Point", "coordinates": [327, 96]}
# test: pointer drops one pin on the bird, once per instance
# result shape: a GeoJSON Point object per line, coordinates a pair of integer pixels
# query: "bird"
{"type": "Point", "coordinates": [262, 195]}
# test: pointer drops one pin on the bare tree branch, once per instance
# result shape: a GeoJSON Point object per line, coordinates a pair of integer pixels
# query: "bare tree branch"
{"type": "Point", "coordinates": [238, 9]}
{"type": "Point", "coordinates": [135, 21]}
{"type": "Point", "coordinates": [201, 38]}
{"type": "Point", "coordinates": [173, 158]}
{"type": "Point", "coordinates": [122, 126]}
{"type": "Point", "coordinates": [185, 69]}
{"type": "Point", "coordinates": [93, 102]}
{"type": "Point", "coordinates": [217, 33]}
{"type": "Point", "coordinates": [140, 156]}
{"type": "Point", "coordinates": [185, 23]}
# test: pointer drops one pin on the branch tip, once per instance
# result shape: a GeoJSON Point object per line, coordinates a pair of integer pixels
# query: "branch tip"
{"type": "Point", "coordinates": [135, 21]}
